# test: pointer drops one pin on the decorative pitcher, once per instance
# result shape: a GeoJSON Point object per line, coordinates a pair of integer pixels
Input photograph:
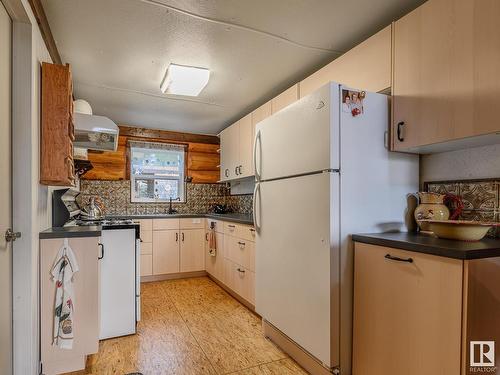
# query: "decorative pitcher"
{"type": "Point", "coordinates": [431, 206]}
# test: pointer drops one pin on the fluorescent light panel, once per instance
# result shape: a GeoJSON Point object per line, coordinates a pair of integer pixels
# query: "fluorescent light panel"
{"type": "Point", "coordinates": [184, 80]}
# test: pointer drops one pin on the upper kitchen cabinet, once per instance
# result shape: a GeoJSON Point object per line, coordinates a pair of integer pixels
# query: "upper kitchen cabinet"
{"type": "Point", "coordinates": [445, 80]}
{"type": "Point", "coordinates": [236, 150]}
{"type": "Point", "coordinates": [367, 66]}
{"type": "Point", "coordinates": [284, 99]}
{"type": "Point", "coordinates": [57, 129]}
{"type": "Point", "coordinates": [261, 113]}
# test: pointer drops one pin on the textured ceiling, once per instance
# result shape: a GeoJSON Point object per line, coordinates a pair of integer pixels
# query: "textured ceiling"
{"type": "Point", "coordinates": [119, 51]}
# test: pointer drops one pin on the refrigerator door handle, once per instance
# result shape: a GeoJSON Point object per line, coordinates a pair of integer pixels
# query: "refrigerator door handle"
{"type": "Point", "coordinates": [257, 139]}
{"type": "Point", "coordinates": [255, 221]}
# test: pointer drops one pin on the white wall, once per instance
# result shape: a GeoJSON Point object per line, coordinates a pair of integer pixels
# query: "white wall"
{"type": "Point", "coordinates": [473, 163]}
{"type": "Point", "coordinates": [30, 213]}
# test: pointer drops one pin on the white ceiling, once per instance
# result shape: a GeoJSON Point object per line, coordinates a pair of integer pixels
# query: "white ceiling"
{"type": "Point", "coordinates": [119, 51]}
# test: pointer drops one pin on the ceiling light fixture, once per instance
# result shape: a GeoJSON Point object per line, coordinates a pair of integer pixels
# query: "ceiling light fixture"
{"type": "Point", "coordinates": [184, 80]}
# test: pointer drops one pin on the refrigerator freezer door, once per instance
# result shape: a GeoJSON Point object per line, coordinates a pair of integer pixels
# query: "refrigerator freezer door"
{"type": "Point", "coordinates": [301, 138]}
{"type": "Point", "coordinates": [118, 283]}
{"type": "Point", "coordinates": [297, 260]}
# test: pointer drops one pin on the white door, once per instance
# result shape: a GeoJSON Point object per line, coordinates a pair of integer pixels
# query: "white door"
{"type": "Point", "coordinates": [302, 138]}
{"type": "Point", "coordinates": [192, 256]}
{"type": "Point", "coordinates": [117, 284]}
{"type": "Point", "coordinates": [5, 193]}
{"type": "Point", "coordinates": [297, 259]}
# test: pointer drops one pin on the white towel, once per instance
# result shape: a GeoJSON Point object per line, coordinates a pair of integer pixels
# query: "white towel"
{"type": "Point", "coordinates": [65, 266]}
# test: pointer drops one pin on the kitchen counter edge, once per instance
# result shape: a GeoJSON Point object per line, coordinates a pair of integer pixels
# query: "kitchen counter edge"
{"type": "Point", "coordinates": [234, 218]}
{"type": "Point", "coordinates": [71, 232]}
{"type": "Point", "coordinates": [426, 244]}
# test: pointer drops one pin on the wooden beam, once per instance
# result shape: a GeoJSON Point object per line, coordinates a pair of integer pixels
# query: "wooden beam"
{"type": "Point", "coordinates": [43, 23]}
{"type": "Point", "coordinates": [167, 135]}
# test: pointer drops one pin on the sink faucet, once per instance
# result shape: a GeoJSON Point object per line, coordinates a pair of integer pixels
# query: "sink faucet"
{"type": "Point", "coordinates": [171, 210]}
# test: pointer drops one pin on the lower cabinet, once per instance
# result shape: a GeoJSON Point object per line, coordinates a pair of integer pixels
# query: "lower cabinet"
{"type": "Point", "coordinates": [214, 264]}
{"type": "Point", "coordinates": [240, 279]}
{"type": "Point", "coordinates": [166, 252]}
{"type": "Point", "coordinates": [55, 360]}
{"type": "Point", "coordinates": [192, 256]}
{"type": "Point", "coordinates": [416, 313]}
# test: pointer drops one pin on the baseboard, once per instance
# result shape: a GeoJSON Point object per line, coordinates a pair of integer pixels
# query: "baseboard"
{"type": "Point", "coordinates": [235, 295]}
{"type": "Point", "coordinates": [299, 354]}
{"type": "Point", "coordinates": [172, 276]}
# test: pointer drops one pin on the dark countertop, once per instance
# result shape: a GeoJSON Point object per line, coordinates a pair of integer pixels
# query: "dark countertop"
{"type": "Point", "coordinates": [71, 232]}
{"type": "Point", "coordinates": [235, 218]}
{"type": "Point", "coordinates": [486, 248]}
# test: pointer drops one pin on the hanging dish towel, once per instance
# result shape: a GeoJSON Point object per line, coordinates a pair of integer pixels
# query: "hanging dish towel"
{"type": "Point", "coordinates": [65, 266]}
{"type": "Point", "coordinates": [212, 242]}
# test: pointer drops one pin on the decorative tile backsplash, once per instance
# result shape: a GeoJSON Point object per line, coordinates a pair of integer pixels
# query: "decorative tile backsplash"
{"type": "Point", "coordinates": [481, 198]}
{"type": "Point", "coordinates": [200, 198]}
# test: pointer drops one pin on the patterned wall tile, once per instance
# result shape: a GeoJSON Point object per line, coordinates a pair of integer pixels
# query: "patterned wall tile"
{"type": "Point", "coordinates": [479, 195]}
{"type": "Point", "coordinates": [200, 198]}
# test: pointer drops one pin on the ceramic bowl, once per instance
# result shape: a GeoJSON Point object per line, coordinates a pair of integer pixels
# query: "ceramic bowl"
{"type": "Point", "coordinates": [462, 230]}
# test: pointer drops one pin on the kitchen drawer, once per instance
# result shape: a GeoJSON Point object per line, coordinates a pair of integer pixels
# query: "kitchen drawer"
{"type": "Point", "coordinates": [219, 225]}
{"type": "Point", "coordinates": [146, 248]}
{"type": "Point", "coordinates": [192, 223]}
{"type": "Point", "coordinates": [246, 232]}
{"type": "Point", "coordinates": [146, 264]}
{"type": "Point", "coordinates": [230, 228]}
{"type": "Point", "coordinates": [243, 281]}
{"type": "Point", "coordinates": [165, 224]}
{"type": "Point", "coordinates": [240, 251]}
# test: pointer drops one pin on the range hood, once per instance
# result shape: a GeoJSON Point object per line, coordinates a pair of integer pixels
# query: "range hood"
{"type": "Point", "coordinates": [93, 132]}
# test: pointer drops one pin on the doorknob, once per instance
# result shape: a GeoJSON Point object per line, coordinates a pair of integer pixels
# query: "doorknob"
{"type": "Point", "coordinates": [11, 236]}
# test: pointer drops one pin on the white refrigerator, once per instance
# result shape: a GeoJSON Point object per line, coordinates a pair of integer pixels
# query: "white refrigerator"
{"type": "Point", "coordinates": [323, 172]}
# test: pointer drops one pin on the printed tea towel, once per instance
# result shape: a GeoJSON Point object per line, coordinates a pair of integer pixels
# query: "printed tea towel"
{"type": "Point", "coordinates": [65, 266]}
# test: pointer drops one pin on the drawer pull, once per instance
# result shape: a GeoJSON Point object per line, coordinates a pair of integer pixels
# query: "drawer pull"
{"type": "Point", "coordinates": [240, 270]}
{"type": "Point", "coordinates": [176, 237]}
{"type": "Point", "coordinates": [231, 226]}
{"type": "Point", "coordinates": [398, 259]}
{"type": "Point", "coordinates": [241, 243]}
{"type": "Point", "coordinates": [252, 230]}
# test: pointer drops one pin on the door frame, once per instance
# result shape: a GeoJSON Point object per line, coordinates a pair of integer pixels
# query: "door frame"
{"type": "Point", "coordinates": [25, 188]}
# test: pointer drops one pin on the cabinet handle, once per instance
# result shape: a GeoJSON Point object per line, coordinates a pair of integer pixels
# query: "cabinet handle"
{"type": "Point", "coordinates": [102, 251]}
{"type": "Point", "coordinates": [226, 172]}
{"type": "Point", "coordinates": [206, 236]}
{"type": "Point", "coordinates": [252, 230]}
{"type": "Point", "coordinates": [239, 169]}
{"type": "Point", "coordinates": [236, 171]}
{"type": "Point", "coordinates": [398, 259]}
{"type": "Point", "coordinates": [182, 236]}
{"type": "Point", "coordinates": [240, 270]}
{"type": "Point", "coordinates": [176, 237]}
{"type": "Point", "coordinates": [231, 227]}
{"type": "Point", "coordinates": [241, 243]}
{"type": "Point", "coordinates": [401, 136]}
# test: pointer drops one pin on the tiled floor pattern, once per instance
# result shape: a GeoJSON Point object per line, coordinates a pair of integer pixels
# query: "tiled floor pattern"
{"type": "Point", "coordinates": [192, 326]}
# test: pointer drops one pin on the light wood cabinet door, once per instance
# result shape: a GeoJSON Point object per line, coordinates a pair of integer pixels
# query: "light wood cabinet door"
{"type": "Point", "coordinates": [367, 67]}
{"type": "Point", "coordinates": [229, 152]}
{"type": "Point", "coordinates": [243, 282]}
{"type": "Point", "coordinates": [240, 251]}
{"type": "Point", "coordinates": [215, 264]}
{"type": "Point", "coordinates": [284, 99]}
{"type": "Point", "coordinates": [165, 251]}
{"type": "Point", "coordinates": [245, 167]}
{"type": "Point", "coordinates": [192, 256]}
{"type": "Point", "coordinates": [407, 315]}
{"type": "Point", "coordinates": [146, 230]}
{"type": "Point", "coordinates": [446, 82]}
{"type": "Point", "coordinates": [86, 314]}
{"type": "Point", "coordinates": [261, 113]}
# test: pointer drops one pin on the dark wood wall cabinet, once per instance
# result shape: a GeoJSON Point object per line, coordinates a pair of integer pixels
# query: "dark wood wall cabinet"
{"type": "Point", "coordinates": [57, 129]}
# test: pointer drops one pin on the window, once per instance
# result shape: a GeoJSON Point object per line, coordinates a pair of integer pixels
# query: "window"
{"type": "Point", "coordinates": [156, 172]}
